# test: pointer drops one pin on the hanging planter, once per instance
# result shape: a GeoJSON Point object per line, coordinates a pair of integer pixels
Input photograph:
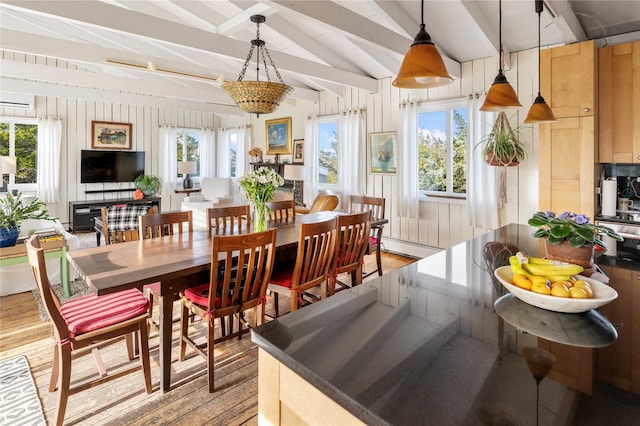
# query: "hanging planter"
{"type": "Point", "coordinates": [502, 146]}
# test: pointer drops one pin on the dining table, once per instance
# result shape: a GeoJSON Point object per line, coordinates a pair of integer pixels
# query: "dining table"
{"type": "Point", "coordinates": [177, 261]}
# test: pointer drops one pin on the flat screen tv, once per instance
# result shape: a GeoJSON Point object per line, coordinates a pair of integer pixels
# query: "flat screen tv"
{"type": "Point", "coordinates": [110, 166]}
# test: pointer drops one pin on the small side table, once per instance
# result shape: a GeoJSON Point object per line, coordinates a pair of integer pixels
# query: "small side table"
{"type": "Point", "coordinates": [186, 191]}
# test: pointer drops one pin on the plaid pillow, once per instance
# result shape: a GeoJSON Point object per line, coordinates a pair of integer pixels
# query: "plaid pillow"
{"type": "Point", "coordinates": [124, 218]}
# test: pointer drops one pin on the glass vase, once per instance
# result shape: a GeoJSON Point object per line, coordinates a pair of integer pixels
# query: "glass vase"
{"type": "Point", "coordinates": [259, 217]}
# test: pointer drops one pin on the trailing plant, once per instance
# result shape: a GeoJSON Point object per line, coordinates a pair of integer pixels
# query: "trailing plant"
{"type": "Point", "coordinates": [502, 147]}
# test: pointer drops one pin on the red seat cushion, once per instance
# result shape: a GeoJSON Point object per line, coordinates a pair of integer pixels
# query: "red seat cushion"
{"type": "Point", "coordinates": [200, 295]}
{"type": "Point", "coordinates": [373, 240]}
{"type": "Point", "coordinates": [153, 287]}
{"type": "Point", "coordinates": [282, 276]}
{"type": "Point", "coordinates": [93, 312]}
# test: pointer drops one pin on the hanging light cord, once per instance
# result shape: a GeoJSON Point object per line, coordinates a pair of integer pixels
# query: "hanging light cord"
{"type": "Point", "coordinates": [539, 53]}
{"type": "Point", "coordinates": [422, 13]}
{"type": "Point", "coordinates": [500, 35]}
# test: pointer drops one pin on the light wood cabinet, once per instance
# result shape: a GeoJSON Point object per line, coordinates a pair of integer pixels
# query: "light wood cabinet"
{"type": "Point", "coordinates": [619, 364]}
{"type": "Point", "coordinates": [569, 78]}
{"type": "Point", "coordinates": [619, 103]}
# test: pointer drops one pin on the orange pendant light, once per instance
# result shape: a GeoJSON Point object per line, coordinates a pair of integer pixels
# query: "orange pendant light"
{"type": "Point", "coordinates": [501, 96]}
{"type": "Point", "coordinates": [422, 66]}
{"type": "Point", "coordinates": [539, 112]}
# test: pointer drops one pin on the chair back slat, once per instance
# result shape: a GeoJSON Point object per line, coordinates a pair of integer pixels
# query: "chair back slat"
{"type": "Point", "coordinates": [281, 210]}
{"type": "Point", "coordinates": [157, 225]}
{"type": "Point", "coordinates": [120, 222]}
{"type": "Point", "coordinates": [360, 203]}
{"type": "Point", "coordinates": [229, 220]}
{"type": "Point", "coordinates": [316, 246]}
{"type": "Point", "coordinates": [352, 241]}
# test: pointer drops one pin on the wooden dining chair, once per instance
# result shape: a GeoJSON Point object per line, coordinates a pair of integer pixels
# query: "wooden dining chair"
{"type": "Point", "coordinates": [316, 247]}
{"type": "Point", "coordinates": [359, 203]}
{"type": "Point", "coordinates": [120, 222]}
{"type": "Point", "coordinates": [352, 241]}
{"type": "Point", "coordinates": [229, 220]}
{"type": "Point", "coordinates": [157, 225]}
{"type": "Point", "coordinates": [282, 210]}
{"type": "Point", "coordinates": [239, 283]}
{"type": "Point", "coordinates": [80, 325]}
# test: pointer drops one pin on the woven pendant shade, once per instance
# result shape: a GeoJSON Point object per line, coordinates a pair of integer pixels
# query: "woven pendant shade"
{"type": "Point", "coordinates": [540, 112]}
{"type": "Point", "coordinates": [257, 97]}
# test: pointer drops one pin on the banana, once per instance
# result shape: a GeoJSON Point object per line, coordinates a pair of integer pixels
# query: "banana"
{"type": "Point", "coordinates": [516, 267]}
{"type": "Point", "coordinates": [540, 261]}
{"type": "Point", "coordinates": [553, 269]}
{"type": "Point", "coordinates": [554, 278]}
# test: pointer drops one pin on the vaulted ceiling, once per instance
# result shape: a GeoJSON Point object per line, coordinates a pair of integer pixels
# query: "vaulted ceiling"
{"type": "Point", "coordinates": [181, 50]}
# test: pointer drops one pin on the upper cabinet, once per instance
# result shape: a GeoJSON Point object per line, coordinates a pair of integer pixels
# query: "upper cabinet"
{"type": "Point", "coordinates": [568, 79]}
{"type": "Point", "coordinates": [619, 105]}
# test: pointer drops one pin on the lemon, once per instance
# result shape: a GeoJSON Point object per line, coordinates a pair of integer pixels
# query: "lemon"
{"type": "Point", "coordinates": [560, 290]}
{"type": "Point", "coordinates": [585, 286]}
{"type": "Point", "coordinates": [517, 277]}
{"type": "Point", "coordinates": [566, 284]}
{"type": "Point", "coordinates": [538, 278]}
{"type": "Point", "coordinates": [540, 287]}
{"type": "Point", "coordinates": [578, 293]}
{"type": "Point", "coordinates": [524, 283]}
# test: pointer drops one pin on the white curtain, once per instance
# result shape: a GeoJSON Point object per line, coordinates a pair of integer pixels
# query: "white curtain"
{"type": "Point", "coordinates": [482, 179]}
{"type": "Point", "coordinates": [408, 204]}
{"type": "Point", "coordinates": [310, 159]}
{"type": "Point", "coordinates": [48, 174]}
{"type": "Point", "coordinates": [168, 137]}
{"type": "Point", "coordinates": [223, 152]}
{"type": "Point", "coordinates": [207, 153]}
{"type": "Point", "coordinates": [352, 142]}
{"type": "Point", "coordinates": [244, 140]}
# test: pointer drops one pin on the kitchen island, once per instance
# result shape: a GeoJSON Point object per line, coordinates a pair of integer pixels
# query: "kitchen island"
{"type": "Point", "coordinates": [420, 345]}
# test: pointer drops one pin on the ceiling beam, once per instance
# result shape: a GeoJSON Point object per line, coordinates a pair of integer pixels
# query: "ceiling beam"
{"type": "Point", "coordinates": [566, 21]}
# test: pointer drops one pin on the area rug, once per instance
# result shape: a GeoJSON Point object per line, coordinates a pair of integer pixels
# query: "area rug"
{"type": "Point", "coordinates": [19, 402]}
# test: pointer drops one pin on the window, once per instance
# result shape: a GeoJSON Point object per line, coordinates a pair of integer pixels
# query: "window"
{"type": "Point", "coordinates": [233, 151]}
{"type": "Point", "coordinates": [328, 151]}
{"type": "Point", "coordinates": [19, 138]}
{"type": "Point", "coordinates": [188, 145]}
{"type": "Point", "coordinates": [442, 147]}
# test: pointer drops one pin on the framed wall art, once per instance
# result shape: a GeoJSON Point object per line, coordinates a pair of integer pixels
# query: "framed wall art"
{"type": "Point", "coordinates": [382, 156]}
{"type": "Point", "coordinates": [278, 133]}
{"type": "Point", "coordinates": [298, 151]}
{"type": "Point", "coordinates": [107, 135]}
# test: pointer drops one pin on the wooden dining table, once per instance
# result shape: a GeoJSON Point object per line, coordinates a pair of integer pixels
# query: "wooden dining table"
{"type": "Point", "coordinates": [177, 261]}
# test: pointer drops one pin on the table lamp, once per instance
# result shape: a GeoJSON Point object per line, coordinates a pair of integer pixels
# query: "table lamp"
{"type": "Point", "coordinates": [7, 167]}
{"type": "Point", "coordinates": [295, 173]}
{"type": "Point", "coordinates": [186, 168]}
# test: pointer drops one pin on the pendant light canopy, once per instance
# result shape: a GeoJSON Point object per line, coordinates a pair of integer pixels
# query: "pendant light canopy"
{"type": "Point", "coordinates": [501, 96]}
{"type": "Point", "coordinates": [257, 97]}
{"type": "Point", "coordinates": [539, 112]}
{"type": "Point", "coordinates": [422, 66]}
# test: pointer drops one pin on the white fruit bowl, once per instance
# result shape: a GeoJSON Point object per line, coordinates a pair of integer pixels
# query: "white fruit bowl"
{"type": "Point", "coordinates": [602, 294]}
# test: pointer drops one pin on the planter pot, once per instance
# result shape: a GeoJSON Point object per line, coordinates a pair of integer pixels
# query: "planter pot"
{"type": "Point", "coordinates": [582, 256]}
{"type": "Point", "coordinates": [498, 161]}
{"type": "Point", "coordinates": [8, 237]}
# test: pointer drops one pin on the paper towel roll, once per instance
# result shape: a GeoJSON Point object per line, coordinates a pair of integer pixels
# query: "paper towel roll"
{"type": "Point", "coordinates": [609, 197]}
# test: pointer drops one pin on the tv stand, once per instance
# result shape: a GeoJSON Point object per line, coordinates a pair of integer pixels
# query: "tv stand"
{"type": "Point", "coordinates": [82, 213]}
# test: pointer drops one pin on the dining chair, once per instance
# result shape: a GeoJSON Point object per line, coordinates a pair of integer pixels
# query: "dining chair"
{"type": "Point", "coordinates": [359, 203]}
{"type": "Point", "coordinates": [157, 225]}
{"type": "Point", "coordinates": [86, 323]}
{"type": "Point", "coordinates": [120, 221]}
{"type": "Point", "coordinates": [314, 257]}
{"type": "Point", "coordinates": [239, 283]}
{"type": "Point", "coordinates": [282, 210]}
{"type": "Point", "coordinates": [352, 240]}
{"type": "Point", "coordinates": [229, 220]}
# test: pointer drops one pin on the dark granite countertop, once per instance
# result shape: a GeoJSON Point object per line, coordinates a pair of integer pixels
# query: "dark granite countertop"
{"type": "Point", "coordinates": [420, 345]}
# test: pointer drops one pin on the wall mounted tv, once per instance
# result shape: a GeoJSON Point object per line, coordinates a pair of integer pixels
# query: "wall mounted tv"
{"type": "Point", "coordinates": [110, 166]}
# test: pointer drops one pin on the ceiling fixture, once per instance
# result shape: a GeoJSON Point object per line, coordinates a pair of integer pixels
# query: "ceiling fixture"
{"type": "Point", "coordinates": [501, 96]}
{"type": "Point", "coordinates": [539, 112]}
{"type": "Point", "coordinates": [257, 97]}
{"type": "Point", "coordinates": [422, 66]}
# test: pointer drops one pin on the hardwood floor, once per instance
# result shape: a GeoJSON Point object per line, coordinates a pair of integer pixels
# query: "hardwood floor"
{"type": "Point", "coordinates": [124, 401]}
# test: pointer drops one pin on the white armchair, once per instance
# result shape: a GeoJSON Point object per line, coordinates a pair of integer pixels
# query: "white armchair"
{"type": "Point", "coordinates": [213, 191]}
{"type": "Point", "coordinates": [19, 278]}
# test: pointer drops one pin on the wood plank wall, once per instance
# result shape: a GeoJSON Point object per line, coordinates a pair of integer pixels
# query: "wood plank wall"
{"type": "Point", "coordinates": [442, 223]}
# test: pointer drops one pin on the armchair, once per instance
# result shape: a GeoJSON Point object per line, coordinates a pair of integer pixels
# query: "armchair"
{"type": "Point", "coordinates": [213, 191]}
{"type": "Point", "coordinates": [325, 200]}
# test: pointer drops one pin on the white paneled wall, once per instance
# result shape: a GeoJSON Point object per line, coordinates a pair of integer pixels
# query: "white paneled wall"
{"type": "Point", "coordinates": [442, 222]}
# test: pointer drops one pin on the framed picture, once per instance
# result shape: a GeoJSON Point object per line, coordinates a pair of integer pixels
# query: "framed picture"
{"type": "Point", "coordinates": [298, 151]}
{"type": "Point", "coordinates": [107, 135]}
{"type": "Point", "coordinates": [278, 136]}
{"type": "Point", "coordinates": [382, 153]}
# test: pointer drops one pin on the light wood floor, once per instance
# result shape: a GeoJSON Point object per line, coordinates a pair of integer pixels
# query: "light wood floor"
{"type": "Point", "coordinates": [124, 401]}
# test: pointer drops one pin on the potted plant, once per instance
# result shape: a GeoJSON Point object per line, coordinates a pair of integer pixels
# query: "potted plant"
{"type": "Point", "coordinates": [148, 184]}
{"type": "Point", "coordinates": [502, 146]}
{"type": "Point", "coordinates": [15, 209]}
{"type": "Point", "coordinates": [570, 237]}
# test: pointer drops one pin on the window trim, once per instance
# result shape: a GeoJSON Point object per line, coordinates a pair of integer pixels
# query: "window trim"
{"type": "Point", "coordinates": [195, 177]}
{"type": "Point", "coordinates": [447, 105]}
{"type": "Point", "coordinates": [323, 119]}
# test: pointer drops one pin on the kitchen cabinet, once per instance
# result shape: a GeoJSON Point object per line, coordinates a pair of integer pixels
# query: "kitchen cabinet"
{"type": "Point", "coordinates": [619, 364]}
{"type": "Point", "coordinates": [619, 103]}
{"type": "Point", "coordinates": [569, 78]}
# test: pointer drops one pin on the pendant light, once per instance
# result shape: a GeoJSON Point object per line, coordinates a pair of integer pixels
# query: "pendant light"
{"type": "Point", "coordinates": [501, 96]}
{"type": "Point", "coordinates": [539, 112]}
{"type": "Point", "coordinates": [257, 97]}
{"type": "Point", "coordinates": [422, 66]}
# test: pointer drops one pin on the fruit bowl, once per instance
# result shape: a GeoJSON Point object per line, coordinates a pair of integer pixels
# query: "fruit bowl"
{"type": "Point", "coordinates": [602, 294]}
